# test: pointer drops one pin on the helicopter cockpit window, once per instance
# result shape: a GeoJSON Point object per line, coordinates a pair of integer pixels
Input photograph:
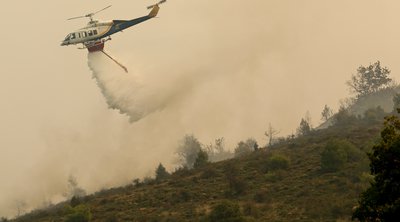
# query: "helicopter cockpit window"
{"type": "Point", "coordinates": [72, 36]}
{"type": "Point", "coordinates": [90, 33]}
{"type": "Point", "coordinates": [67, 37]}
{"type": "Point", "coordinates": [95, 32]}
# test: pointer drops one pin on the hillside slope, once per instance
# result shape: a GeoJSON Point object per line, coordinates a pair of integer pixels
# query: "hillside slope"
{"type": "Point", "coordinates": [293, 189]}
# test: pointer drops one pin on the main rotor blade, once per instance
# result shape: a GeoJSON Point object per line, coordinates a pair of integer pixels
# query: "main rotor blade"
{"type": "Point", "coordinates": [90, 14]}
{"type": "Point", "coordinates": [77, 17]}
{"type": "Point", "coordinates": [101, 10]}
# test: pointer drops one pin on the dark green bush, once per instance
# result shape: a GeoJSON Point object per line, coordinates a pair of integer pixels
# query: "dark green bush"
{"type": "Point", "coordinates": [80, 213]}
{"type": "Point", "coordinates": [226, 211]}
{"type": "Point", "coordinates": [336, 154]}
{"type": "Point", "coordinates": [275, 162]}
{"type": "Point", "coordinates": [332, 158]}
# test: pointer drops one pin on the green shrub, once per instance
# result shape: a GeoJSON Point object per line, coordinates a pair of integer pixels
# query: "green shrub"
{"type": "Point", "coordinates": [277, 162]}
{"type": "Point", "coordinates": [336, 154]}
{"type": "Point", "coordinates": [274, 163]}
{"type": "Point", "coordinates": [226, 211]}
{"type": "Point", "coordinates": [80, 213]}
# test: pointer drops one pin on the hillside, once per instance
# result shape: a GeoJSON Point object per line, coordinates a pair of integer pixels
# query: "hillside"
{"type": "Point", "coordinates": [281, 183]}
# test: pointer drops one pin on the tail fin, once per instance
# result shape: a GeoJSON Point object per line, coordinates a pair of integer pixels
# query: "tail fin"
{"type": "Point", "coordinates": [154, 11]}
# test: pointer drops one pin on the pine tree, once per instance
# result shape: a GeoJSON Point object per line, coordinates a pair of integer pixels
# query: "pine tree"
{"type": "Point", "coordinates": [304, 128]}
{"type": "Point", "coordinates": [161, 173]}
{"type": "Point", "coordinates": [381, 201]}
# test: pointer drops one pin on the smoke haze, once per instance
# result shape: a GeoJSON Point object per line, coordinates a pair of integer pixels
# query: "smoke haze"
{"type": "Point", "coordinates": [221, 68]}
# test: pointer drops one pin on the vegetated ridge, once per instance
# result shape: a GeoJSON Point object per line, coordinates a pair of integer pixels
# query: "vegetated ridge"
{"type": "Point", "coordinates": [285, 182]}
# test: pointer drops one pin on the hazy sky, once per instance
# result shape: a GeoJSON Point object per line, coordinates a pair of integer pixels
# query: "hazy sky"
{"type": "Point", "coordinates": [238, 65]}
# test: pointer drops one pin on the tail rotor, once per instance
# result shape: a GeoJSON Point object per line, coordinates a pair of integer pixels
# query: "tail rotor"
{"type": "Point", "coordinates": [159, 3]}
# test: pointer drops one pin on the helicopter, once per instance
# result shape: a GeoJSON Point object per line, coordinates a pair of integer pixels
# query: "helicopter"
{"type": "Point", "coordinates": [96, 33]}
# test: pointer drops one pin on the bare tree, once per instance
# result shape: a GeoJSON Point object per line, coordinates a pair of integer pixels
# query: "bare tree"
{"type": "Point", "coordinates": [270, 134]}
{"type": "Point", "coordinates": [216, 151]}
{"type": "Point", "coordinates": [220, 145]}
{"type": "Point", "coordinates": [326, 113]}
